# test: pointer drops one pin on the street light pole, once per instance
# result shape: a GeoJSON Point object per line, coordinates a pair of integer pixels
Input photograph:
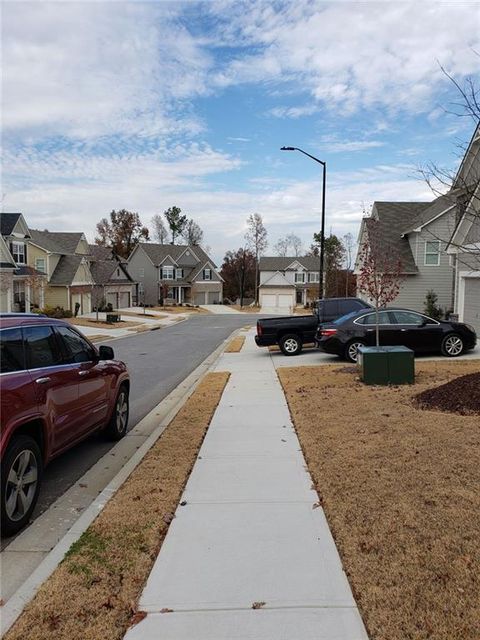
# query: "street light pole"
{"type": "Point", "coordinates": [322, 228]}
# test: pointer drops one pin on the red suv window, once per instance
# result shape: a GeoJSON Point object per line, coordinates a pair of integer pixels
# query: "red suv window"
{"type": "Point", "coordinates": [42, 347]}
{"type": "Point", "coordinates": [78, 349]}
{"type": "Point", "coordinates": [12, 357]}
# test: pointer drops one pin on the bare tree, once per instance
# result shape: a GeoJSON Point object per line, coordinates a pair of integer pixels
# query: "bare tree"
{"type": "Point", "coordinates": [281, 247]}
{"type": "Point", "coordinates": [160, 231]}
{"type": "Point", "coordinates": [348, 244]}
{"type": "Point", "coordinates": [192, 234]}
{"type": "Point", "coordinates": [256, 237]}
{"type": "Point", "coordinates": [381, 271]}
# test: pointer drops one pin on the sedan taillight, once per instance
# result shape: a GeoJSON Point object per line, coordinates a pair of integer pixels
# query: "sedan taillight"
{"type": "Point", "coordinates": [259, 329]}
{"type": "Point", "coordinates": [328, 332]}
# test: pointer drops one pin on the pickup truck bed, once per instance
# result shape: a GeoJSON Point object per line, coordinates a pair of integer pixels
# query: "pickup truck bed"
{"type": "Point", "coordinates": [289, 332]}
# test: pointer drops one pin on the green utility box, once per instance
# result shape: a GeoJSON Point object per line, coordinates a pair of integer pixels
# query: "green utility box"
{"type": "Point", "coordinates": [113, 317]}
{"type": "Point", "coordinates": [386, 365]}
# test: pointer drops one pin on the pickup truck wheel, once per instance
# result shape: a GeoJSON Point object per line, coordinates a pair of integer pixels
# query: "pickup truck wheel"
{"type": "Point", "coordinates": [117, 427]}
{"type": "Point", "coordinates": [20, 483]}
{"type": "Point", "coordinates": [291, 345]}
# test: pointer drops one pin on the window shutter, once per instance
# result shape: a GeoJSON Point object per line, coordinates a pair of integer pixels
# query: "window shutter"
{"type": "Point", "coordinates": [203, 276]}
{"type": "Point", "coordinates": [25, 253]}
{"type": "Point", "coordinates": [161, 273]}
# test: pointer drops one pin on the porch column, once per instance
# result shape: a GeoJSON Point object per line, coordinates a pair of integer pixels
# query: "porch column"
{"type": "Point", "coordinates": [27, 297]}
{"type": "Point", "coordinates": [9, 299]}
{"type": "Point", "coordinates": [179, 295]}
{"type": "Point", "coordinates": [42, 295]}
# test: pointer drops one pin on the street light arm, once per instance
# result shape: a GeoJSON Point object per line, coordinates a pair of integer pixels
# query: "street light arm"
{"type": "Point", "coordinates": [304, 153]}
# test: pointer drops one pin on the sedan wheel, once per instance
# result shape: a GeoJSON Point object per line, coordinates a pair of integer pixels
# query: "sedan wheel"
{"type": "Point", "coordinates": [21, 476]}
{"type": "Point", "coordinates": [452, 345]}
{"type": "Point", "coordinates": [351, 352]}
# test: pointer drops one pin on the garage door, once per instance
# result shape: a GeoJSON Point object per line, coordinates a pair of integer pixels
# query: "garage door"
{"type": "Point", "coordinates": [124, 300]}
{"type": "Point", "coordinates": [284, 300]}
{"type": "Point", "coordinates": [200, 298]}
{"type": "Point", "coordinates": [471, 310]}
{"type": "Point", "coordinates": [213, 297]}
{"type": "Point", "coordinates": [111, 298]}
{"type": "Point", "coordinates": [268, 300]}
{"type": "Point", "coordinates": [86, 302]}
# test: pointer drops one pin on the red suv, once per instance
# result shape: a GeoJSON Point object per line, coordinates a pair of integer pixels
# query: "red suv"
{"type": "Point", "coordinates": [56, 389]}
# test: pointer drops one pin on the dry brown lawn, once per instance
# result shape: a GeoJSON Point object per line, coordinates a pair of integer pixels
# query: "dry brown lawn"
{"type": "Point", "coordinates": [169, 309]}
{"type": "Point", "coordinates": [93, 594]}
{"type": "Point", "coordinates": [235, 344]}
{"type": "Point", "coordinates": [85, 322]}
{"type": "Point", "coordinates": [99, 338]}
{"type": "Point", "coordinates": [237, 307]}
{"type": "Point", "coordinates": [401, 490]}
{"type": "Point", "coordinates": [155, 316]}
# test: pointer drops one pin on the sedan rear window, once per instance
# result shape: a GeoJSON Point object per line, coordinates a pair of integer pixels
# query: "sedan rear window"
{"type": "Point", "coordinates": [370, 318]}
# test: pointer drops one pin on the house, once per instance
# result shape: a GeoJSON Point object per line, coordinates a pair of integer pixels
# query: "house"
{"type": "Point", "coordinates": [64, 258]}
{"type": "Point", "coordinates": [287, 281]}
{"type": "Point", "coordinates": [112, 282]}
{"type": "Point", "coordinates": [177, 273]}
{"type": "Point", "coordinates": [438, 243]}
{"type": "Point", "coordinates": [21, 285]}
{"type": "Point", "coordinates": [418, 234]}
{"type": "Point", "coordinates": [464, 245]}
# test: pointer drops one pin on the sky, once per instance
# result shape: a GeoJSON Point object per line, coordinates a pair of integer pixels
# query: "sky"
{"type": "Point", "coordinates": [145, 105]}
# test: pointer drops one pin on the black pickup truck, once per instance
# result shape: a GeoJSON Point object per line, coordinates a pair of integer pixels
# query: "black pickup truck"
{"type": "Point", "coordinates": [290, 333]}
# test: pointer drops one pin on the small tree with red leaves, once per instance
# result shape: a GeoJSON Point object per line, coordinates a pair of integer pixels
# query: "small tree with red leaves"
{"type": "Point", "coordinates": [381, 271]}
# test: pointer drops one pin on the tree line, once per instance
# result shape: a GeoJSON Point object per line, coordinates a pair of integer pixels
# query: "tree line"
{"type": "Point", "coordinates": [123, 230]}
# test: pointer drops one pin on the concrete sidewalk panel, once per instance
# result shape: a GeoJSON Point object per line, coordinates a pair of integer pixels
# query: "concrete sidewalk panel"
{"type": "Point", "coordinates": [255, 479]}
{"type": "Point", "coordinates": [231, 555]}
{"type": "Point", "coordinates": [341, 623]}
{"type": "Point", "coordinates": [250, 440]}
{"type": "Point", "coordinates": [234, 417]}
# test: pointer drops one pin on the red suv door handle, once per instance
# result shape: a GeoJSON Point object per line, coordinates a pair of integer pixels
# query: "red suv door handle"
{"type": "Point", "coordinates": [84, 372]}
{"type": "Point", "coordinates": [42, 380]}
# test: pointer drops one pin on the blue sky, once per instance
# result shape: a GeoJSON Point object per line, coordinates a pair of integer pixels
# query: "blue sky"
{"type": "Point", "coordinates": [145, 105]}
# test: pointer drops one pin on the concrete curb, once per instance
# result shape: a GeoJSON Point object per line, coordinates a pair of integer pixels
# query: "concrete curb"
{"type": "Point", "coordinates": [15, 605]}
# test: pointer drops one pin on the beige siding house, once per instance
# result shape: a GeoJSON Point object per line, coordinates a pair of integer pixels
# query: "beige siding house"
{"type": "Point", "coordinates": [286, 282]}
{"type": "Point", "coordinates": [21, 285]}
{"type": "Point", "coordinates": [64, 257]}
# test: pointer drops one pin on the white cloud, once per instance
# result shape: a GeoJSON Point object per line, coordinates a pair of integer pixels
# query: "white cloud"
{"type": "Point", "coordinates": [352, 55]}
{"type": "Point", "coordinates": [333, 145]}
{"type": "Point", "coordinates": [293, 112]}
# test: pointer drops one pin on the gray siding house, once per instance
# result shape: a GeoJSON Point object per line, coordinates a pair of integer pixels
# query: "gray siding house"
{"type": "Point", "coordinates": [418, 233]}
{"type": "Point", "coordinates": [287, 281]}
{"type": "Point", "coordinates": [464, 247]}
{"type": "Point", "coordinates": [174, 273]}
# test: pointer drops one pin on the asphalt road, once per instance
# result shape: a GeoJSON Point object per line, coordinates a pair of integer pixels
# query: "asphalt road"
{"type": "Point", "coordinates": [158, 361]}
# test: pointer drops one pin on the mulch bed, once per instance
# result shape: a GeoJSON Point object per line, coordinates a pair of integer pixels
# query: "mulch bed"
{"type": "Point", "coordinates": [461, 395]}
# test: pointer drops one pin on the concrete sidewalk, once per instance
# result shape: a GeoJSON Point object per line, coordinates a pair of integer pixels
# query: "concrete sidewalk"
{"type": "Point", "coordinates": [249, 555]}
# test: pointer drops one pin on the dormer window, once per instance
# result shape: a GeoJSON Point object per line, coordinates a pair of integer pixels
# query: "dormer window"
{"type": "Point", "coordinates": [18, 252]}
{"type": "Point", "coordinates": [207, 274]}
{"type": "Point", "coordinates": [167, 273]}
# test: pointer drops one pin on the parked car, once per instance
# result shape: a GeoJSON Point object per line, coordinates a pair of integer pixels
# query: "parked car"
{"type": "Point", "coordinates": [403, 327]}
{"type": "Point", "coordinates": [56, 389]}
{"type": "Point", "coordinates": [290, 333]}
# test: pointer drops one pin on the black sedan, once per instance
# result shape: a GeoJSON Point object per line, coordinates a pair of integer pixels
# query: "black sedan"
{"type": "Point", "coordinates": [396, 327]}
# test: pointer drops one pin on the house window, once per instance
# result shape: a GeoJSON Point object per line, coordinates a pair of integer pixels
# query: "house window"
{"type": "Point", "coordinates": [141, 273]}
{"type": "Point", "coordinates": [167, 273]}
{"type": "Point", "coordinates": [140, 288]}
{"type": "Point", "coordinates": [179, 274]}
{"type": "Point", "coordinates": [299, 277]}
{"type": "Point", "coordinates": [18, 252]}
{"type": "Point", "coordinates": [432, 253]}
{"type": "Point", "coordinates": [40, 265]}
{"type": "Point", "coordinates": [207, 274]}
{"type": "Point", "coordinates": [18, 291]}
{"type": "Point", "coordinates": [314, 276]}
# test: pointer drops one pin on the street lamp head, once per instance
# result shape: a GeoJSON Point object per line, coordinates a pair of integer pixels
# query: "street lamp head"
{"type": "Point", "coordinates": [287, 149]}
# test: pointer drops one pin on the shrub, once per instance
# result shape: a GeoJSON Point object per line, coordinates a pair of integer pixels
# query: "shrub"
{"type": "Point", "coordinates": [55, 312]}
{"type": "Point", "coordinates": [431, 309]}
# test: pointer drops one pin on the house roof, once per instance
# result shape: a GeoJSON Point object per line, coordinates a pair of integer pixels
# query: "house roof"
{"type": "Point", "coordinates": [28, 271]}
{"type": "Point", "coordinates": [279, 263]}
{"type": "Point", "coordinates": [66, 269]}
{"type": "Point", "coordinates": [8, 222]}
{"type": "Point", "coordinates": [389, 234]}
{"type": "Point", "coordinates": [99, 252]}
{"type": "Point", "coordinates": [62, 242]}
{"type": "Point", "coordinates": [434, 209]}
{"type": "Point", "coordinates": [103, 270]}
{"type": "Point", "coordinates": [158, 252]}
